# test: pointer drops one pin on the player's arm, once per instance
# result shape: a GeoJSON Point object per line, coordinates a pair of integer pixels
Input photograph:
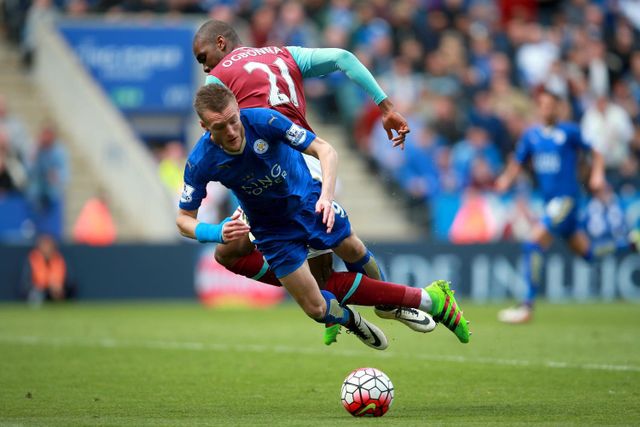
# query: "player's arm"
{"type": "Point", "coordinates": [320, 62]}
{"type": "Point", "coordinates": [506, 178]}
{"type": "Point", "coordinates": [328, 157]}
{"type": "Point", "coordinates": [597, 180]}
{"type": "Point", "coordinates": [231, 228]}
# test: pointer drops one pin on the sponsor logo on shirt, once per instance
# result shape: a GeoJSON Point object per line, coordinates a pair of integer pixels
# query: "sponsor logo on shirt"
{"type": "Point", "coordinates": [260, 146]}
{"type": "Point", "coordinates": [296, 135]}
{"type": "Point", "coordinates": [256, 186]}
{"type": "Point", "coordinates": [187, 194]}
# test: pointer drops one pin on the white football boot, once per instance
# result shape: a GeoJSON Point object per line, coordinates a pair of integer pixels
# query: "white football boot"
{"type": "Point", "coordinates": [367, 332]}
{"type": "Point", "coordinates": [415, 319]}
{"type": "Point", "coordinates": [516, 315]}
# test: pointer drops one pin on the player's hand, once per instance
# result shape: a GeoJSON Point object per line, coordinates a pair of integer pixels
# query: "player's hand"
{"type": "Point", "coordinates": [393, 121]}
{"type": "Point", "coordinates": [325, 207]}
{"type": "Point", "coordinates": [236, 228]}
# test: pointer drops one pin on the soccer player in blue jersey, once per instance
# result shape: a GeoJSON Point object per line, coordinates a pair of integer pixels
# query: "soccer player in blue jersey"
{"type": "Point", "coordinates": [256, 153]}
{"type": "Point", "coordinates": [272, 77]}
{"type": "Point", "coordinates": [553, 148]}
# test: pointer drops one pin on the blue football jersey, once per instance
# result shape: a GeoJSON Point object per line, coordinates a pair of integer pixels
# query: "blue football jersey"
{"type": "Point", "coordinates": [554, 154]}
{"type": "Point", "coordinates": [269, 177]}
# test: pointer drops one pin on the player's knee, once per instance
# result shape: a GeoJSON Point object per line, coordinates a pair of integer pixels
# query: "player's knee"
{"type": "Point", "coordinates": [224, 257]}
{"type": "Point", "coordinates": [316, 311]}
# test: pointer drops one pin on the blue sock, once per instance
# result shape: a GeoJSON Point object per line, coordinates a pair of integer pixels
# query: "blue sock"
{"type": "Point", "coordinates": [335, 312]}
{"type": "Point", "coordinates": [368, 266]}
{"type": "Point", "coordinates": [533, 262]}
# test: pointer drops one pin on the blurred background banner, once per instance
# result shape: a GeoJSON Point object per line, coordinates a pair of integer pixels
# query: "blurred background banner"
{"type": "Point", "coordinates": [483, 272]}
{"type": "Point", "coordinates": [142, 68]}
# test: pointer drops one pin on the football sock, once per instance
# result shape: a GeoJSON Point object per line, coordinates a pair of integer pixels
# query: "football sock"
{"type": "Point", "coordinates": [366, 265]}
{"type": "Point", "coordinates": [533, 262]}
{"type": "Point", "coordinates": [335, 313]}
{"type": "Point", "coordinates": [356, 288]}
{"type": "Point", "coordinates": [255, 267]}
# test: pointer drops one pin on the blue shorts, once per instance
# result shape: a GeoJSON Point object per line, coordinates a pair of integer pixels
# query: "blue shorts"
{"type": "Point", "coordinates": [285, 247]}
{"type": "Point", "coordinates": [561, 216]}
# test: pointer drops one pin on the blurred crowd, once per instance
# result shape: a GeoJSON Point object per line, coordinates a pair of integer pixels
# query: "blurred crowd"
{"type": "Point", "coordinates": [33, 178]}
{"type": "Point", "coordinates": [463, 72]}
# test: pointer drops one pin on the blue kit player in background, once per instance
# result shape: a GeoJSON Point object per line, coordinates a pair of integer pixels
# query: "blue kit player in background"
{"type": "Point", "coordinates": [553, 148]}
{"type": "Point", "coordinates": [257, 153]}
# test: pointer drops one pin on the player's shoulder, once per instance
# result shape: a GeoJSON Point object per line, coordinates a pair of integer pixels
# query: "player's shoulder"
{"type": "Point", "coordinates": [199, 154]}
{"type": "Point", "coordinates": [529, 131]}
{"type": "Point", "coordinates": [569, 127]}
{"type": "Point", "coordinates": [259, 116]}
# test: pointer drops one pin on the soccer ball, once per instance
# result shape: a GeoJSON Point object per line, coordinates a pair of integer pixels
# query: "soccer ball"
{"type": "Point", "coordinates": [367, 392]}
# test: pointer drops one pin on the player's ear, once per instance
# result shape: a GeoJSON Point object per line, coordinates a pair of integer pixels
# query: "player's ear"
{"type": "Point", "coordinates": [203, 126]}
{"type": "Point", "coordinates": [221, 43]}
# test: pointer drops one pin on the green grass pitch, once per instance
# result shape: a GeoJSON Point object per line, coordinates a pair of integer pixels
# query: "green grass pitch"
{"type": "Point", "coordinates": [178, 364]}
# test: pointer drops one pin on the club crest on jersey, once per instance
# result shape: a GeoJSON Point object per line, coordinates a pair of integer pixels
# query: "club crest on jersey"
{"type": "Point", "coordinates": [296, 135]}
{"type": "Point", "coordinates": [559, 137]}
{"type": "Point", "coordinates": [260, 146]}
{"type": "Point", "coordinates": [187, 194]}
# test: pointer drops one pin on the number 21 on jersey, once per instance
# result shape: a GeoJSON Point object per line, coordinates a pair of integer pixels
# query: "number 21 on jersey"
{"type": "Point", "coordinates": [275, 96]}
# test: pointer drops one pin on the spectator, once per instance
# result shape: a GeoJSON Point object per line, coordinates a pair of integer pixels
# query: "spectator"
{"type": "Point", "coordinates": [45, 273]}
{"type": "Point", "coordinates": [47, 182]}
{"type": "Point", "coordinates": [13, 174]}
{"type": "Point", "coordinates": [609, 129]}
{"type": "Point", "coordinates": [476, 145]}
{"type": "Point", "coordinates": [41, 12]}
{"type": "Point", "coordinates": [171, 167]}
{"type": "Point", "coordinates": [20, 144]}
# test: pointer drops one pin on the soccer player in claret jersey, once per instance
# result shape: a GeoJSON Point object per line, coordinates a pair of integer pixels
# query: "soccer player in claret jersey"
{"type": "Point", "coordinates": [272, 77]}
{"type": "Point", "coordinates": [553, 147]}
{"type": "Point", "coordinates": [256, 153]}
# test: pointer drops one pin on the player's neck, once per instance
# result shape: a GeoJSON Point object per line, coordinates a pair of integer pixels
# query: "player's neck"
{"type": "Point", "coordinates": [549, 123]}
{"type": "Point", "coordinates": [239, 151]}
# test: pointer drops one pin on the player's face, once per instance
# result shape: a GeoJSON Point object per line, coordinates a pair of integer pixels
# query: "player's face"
{"type": "Point", "coordinates": [225, 127]}
{"type": "Point", "coordinates": [208, 54]}
{"type": "Point", "coordinates": [548, 107]}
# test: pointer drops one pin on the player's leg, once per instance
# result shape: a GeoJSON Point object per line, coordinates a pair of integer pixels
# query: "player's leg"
{"type": "Point", "coordinates": [581, 245]}
{"type": "Point", "coordinates": [436, 299]}
{"type": "Point", "coordinates": [323, 307]}
{"type": "Point", "coordinates": [533, 252]}
{"type": "Point", "coordinates": [321, 265]}
{"type": "Point", "coordinates": [241, 257]}
{"type": "Point", "coordinates": [358, 258]}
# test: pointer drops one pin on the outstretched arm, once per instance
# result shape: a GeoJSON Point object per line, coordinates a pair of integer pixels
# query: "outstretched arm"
{"type": "Point", "coordinates": [505, 180]}
{"type": "Point", "coordinates": [328, 157]}
{"type": "Point", "coordinates": [320, 62]}
{"type": "Point", "coordinates": [229, 229]}
{"type": "Point", "coordinates": [597, 179]}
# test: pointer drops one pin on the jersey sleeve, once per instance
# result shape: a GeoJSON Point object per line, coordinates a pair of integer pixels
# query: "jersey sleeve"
{"type": "Point", "coordinates": [211, 79]}
{"type": "Point", "coordinates": [320, 62]}
{"type": "Point", "coordinates": [579, 140]}
{"type": "Point", "coordinates": [275, 126]}
{"type": "Point", "coordinates": [523, 149]}
{"type": "Point", "coordinates": [194, 190]}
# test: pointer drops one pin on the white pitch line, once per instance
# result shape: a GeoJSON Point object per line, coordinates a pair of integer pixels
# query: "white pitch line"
{"type": "Point", "coordinates": [260, 348]}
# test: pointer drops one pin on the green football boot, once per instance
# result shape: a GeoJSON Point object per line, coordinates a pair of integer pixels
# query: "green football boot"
{"type": "Point", "coordinates": [446, 310]}
{"type": "Point", "coordinates": [331, 333]}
